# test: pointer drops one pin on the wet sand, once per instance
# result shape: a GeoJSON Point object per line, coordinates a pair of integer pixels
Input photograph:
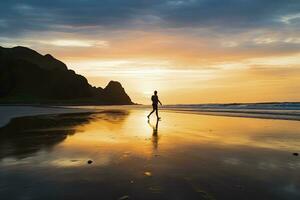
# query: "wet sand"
{"type": "Point", "coordinates": [9, 112]}
{"type": "Point", "coordinates": [184, 156]}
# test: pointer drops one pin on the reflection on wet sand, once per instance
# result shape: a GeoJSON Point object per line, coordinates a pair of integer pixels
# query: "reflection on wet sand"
{"type": "Point", "coordinates": [27, 135]}
{"type": "Point", "coordinates": [155, 136]}
{"type": "Point", "coordinates": [199, 157]}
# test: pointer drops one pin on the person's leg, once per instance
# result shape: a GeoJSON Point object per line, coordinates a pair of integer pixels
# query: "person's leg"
{"type": "Point", "coordinates": [150, 113]}
{"type": "Point", "coordinates": [156, 111]}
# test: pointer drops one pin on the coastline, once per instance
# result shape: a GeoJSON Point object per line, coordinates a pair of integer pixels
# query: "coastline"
{"type": "Point", "coordinates": [270, 110]}
{"type": "Point", "coordinates": [9, 112]}
{"type": "Point", "coordinates": [258, 115]}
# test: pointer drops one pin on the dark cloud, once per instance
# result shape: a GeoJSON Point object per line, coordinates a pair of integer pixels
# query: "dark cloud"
{"type": "Point", "coordinates": [60, 15]}
{"type": "Point", "coordinates": [230, 13]}
{"type": "Point", "coordinates": [17, 17]}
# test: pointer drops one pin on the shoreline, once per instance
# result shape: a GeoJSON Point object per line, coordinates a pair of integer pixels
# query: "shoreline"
{"type": "Point", "coordinates": [257, 115]}
{"type": "Point", "coordinates": [7, 113]}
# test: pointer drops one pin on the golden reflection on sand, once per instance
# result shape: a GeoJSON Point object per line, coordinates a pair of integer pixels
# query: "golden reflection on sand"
{"type": "Point", "coordinates": [121, 150]}
{"type": "Point", "coordinates": [122, 135]}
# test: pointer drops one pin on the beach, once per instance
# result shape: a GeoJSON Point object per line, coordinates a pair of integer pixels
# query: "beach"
{"type": "Point", "coordinates": [9, 112]}
{"type": "Point", "coordinates": [115, 153]}
{"type": "Point", "coordinates": [150, 100]}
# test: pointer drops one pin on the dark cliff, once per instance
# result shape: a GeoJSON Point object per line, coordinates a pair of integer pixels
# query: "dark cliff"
{"type": "Point", "coordinates": [29, 77]}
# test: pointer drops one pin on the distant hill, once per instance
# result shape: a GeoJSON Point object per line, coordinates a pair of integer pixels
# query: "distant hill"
{"type": "Point", "coordinates": [29, 77]}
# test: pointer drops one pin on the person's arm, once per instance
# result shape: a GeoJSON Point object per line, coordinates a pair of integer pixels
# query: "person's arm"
{"type": "Point", "coordinates": [159, 102]}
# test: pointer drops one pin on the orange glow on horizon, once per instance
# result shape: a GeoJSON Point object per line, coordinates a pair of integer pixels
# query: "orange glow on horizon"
{"type": "Point", "coordinates": [184, 68]}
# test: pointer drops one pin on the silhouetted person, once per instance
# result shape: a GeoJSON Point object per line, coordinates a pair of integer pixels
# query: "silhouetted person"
{"type": "Point", "coordinates": [155, 102]}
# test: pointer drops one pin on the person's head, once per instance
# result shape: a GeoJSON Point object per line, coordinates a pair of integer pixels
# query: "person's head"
{"type": "Point", "coordinates": [155, 92]}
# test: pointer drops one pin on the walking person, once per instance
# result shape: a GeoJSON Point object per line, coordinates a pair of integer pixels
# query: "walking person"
{"type": "Point", "coordinates": [155, 102]}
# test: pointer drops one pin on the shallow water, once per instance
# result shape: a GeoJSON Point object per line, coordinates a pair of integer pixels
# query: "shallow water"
{"type": "Point", "coordinates": [184, 156]}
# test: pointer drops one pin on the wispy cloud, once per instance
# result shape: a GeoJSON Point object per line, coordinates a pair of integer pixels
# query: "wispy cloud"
{"type": "Point", "coordinates": [76, 43]}
{"type": "Point", "coordinates": [289, 18]}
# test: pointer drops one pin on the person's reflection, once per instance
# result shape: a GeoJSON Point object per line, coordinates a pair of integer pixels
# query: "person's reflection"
{"type": "Point", "coordinates": [155, 137]}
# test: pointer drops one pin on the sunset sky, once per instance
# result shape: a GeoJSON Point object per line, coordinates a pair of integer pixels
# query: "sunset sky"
{"type": "Point", "coordinates": [191, 51]}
